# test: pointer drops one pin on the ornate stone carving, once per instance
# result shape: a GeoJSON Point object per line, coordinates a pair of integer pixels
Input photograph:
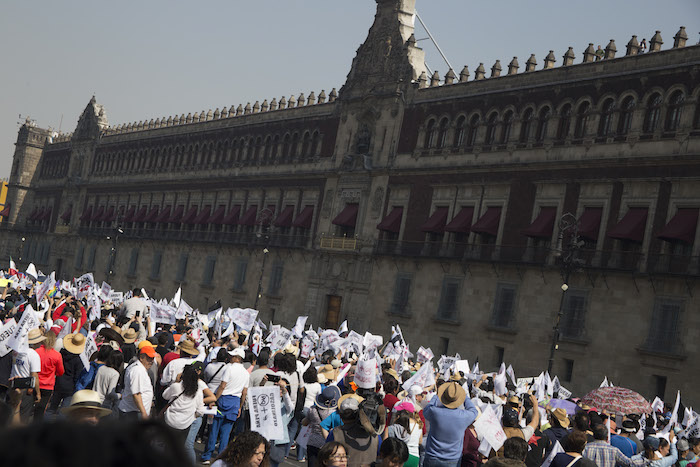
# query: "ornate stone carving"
{"type": "Point", "coordinates": [327, 203]}
{"type": "Point", "coordinates": [377, 200]}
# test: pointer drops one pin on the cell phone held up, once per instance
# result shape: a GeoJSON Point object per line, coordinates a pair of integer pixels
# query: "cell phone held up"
{"type": "Point", "coordinates": [273, 378]}
{"type": "Point", "coordinates": [23, 383]}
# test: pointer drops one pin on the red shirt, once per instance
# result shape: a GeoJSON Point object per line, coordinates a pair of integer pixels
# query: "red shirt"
{"type": "Point", "coordinates": [169, 357]}
{"type": "Point", "coordinates": [390, 401]}
{"type": "Point", "coordinates": [51, 366]}
{"type": "Point", "coordinates": [83, 317]}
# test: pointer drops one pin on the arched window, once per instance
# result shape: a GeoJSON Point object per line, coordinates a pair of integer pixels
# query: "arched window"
{"type": "Point", "coordinates": [605, 125]}
{"type": "Point", "coordinates": [526, 125]}
{"type": "Point", "coordinates": [564, 122]}
{"type": "Point", "coordinates": [459, 132]}
{"type": "Point", "coordinates": [626, 112]}
{"type": "Point", "coordinates": [581, 120]}
{"type": "Point", "coordinates": [315, 144]}
{"type": "Point", "coordinates": [507, 126]}
{"type": "Point", "coordinates": [429, 134]}
{"type": "Point", "coordinates": [542, 124]}
{"type": "Point", "coordinates": [306, 145]}
{"type": "Point", "coordinates": [442, 133]}
{"type": "Point", "coordinates": [491, 129]}
{"type": "Point", "coordinates": [651, 118]}
{"type": "Point", "coordinates": [673, 114]}
{"type": "Point", "coordinates": [472, 130]}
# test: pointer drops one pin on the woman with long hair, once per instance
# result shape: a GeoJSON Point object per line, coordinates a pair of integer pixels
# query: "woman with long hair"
{"type": "Point", "coordinates": [407, 427]}
{"type": "Point", "coordinates": [249, 449]}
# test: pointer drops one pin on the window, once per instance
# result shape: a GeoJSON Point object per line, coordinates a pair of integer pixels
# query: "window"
{"type": "Point", "coordinates": [651, 118]}
{"type": "Point", "coordinates": [526, 125]}
{"type": "Point", "coordinates": [581, 120]}
{"type": "Point", "coordinates": [459, 133]}
{"type": "Point", "coordinates": [133, 262]}
{"type": "Point", "coordinates": [78, 256]}
{"type": "Point", "coordinates": [402, 292]}
{"type": "Point", "coordinates": [573, 319]}
{"type": "Point", "coordinates": [499, 354]}
{"type": "Point", "coordinates": [664, 331]}
{"type": "Point", "coordinates": [239, 279]}
{"type": "Point", "coordinates": [445, 345]}
{"type": "Point", "coordinates": [507, 127]}
{"type": "Point", "coordinates": [626, 111]}
{"type": "Point", "coordinates": [91, 258]}
{"type": "Point", "coordinates": [442, 133]}
{"type": "Point", "coordinates": [568, 370]}
{"type": "Point", "coordinates": [182, 267]}
{"type": "Point", "coordinates": [155, 265]}
{"type": "Point", "coordinates": [542, 123]}
{"type": "Point", "coordinates": [209, 266]}
{"type": "Point", "coordinates": [660, 386]}
{"type": "Point", "coordinates": [675, 107]}
{"type": "Point", "coordinates": [491, 129]}
{"type": "Point", "coordinates": [275, 287]}
{"type": "Point", "coordinates": [472, 130]}
{"type": "Point", "coordinates": [504, 306]}
{"type": "Point", "coordinates": [564, 122]}
{"type": "Point", "coordinates": [605, 125]}
{"type": "Point", "coordinates": [429, 134]}
{"type": "Point", "coordinates": [449, 299]}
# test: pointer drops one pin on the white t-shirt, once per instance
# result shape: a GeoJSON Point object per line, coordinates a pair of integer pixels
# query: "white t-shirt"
{"type": "Point", "coordinates": [24, 364]}
{"type": "Point", "coordinates": [236, 378]}
{"type": "Point", "coordinates": [174, 368]}
{"type": "Point", "coordinates": [213, 374]}
{"type": "Point", "coordinates": [136, 381]}
{"type": "Point", "coordinates": [183, 411]}
{"type": "Point", "coordinates": [312, 390]}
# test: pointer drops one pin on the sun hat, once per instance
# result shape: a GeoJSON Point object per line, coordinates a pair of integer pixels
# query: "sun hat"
{"type": "Point", "coordinates": [150, 351]}
{"type": "Point", "coordinates": [144, 343]}
{"type": "Point", "coordinates": [130, 336]}
{"type": "Point", "coordinates": [348, 406]}
{"type": "Point", "coordinates": [111, 335]}
{"type": "Point", "coordinates": [562, 418]}
{"type": "Point", "coordinates": [391, 372]}
{"type": "Point", "coordinates": [74, 343]}
{"type": "Point", "coordinates": [237, 352]}
{"type": "Point", "coordinates": [336, 363]}
{"type": "Point", "coordinates": [452, 395]}
{"type": "Point", "coordinates": [328, 398]}
{"type": "Point", "coordinates": [514, 400]}
{"type": "Point", "coordinates": [322, 378]}
{"type": "Point", "coordinates": [292, 349]}
{"type": "Point", "coordinates": [629, 426]}
{"type": "Point", "coordinates": [404, 405]}
{"type": "Point", "coordinates": [683, 445]}
{"type": "Point", "coordinates": [86, 399]}
{"type": "Point", "coordinates": [35, 336]}
{"type": "Point", "coordinates": [187, 346]}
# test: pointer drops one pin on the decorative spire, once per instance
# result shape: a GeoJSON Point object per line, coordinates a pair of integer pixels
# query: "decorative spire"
{"type": "Point", "coordinates": [292, 102]}
{"type": "Point", "coordinates": [312, 99]}
{"type": "Point", "coordinates": [435, 80]}
{"type": "Point", "coordinates": [322, 97]}
{"type": "Point", "coordinates": [239, 110]}
{"type": "Point", "coordinates": [256, 107]}
{"type": "Point", "coordinates": [210, 115]}
{"type": "Point", "coordinates": [464, 74]}
{"type": "Point", "coordinates": [247, 109]}
{"type": "Point", "coordinates": [273, 104]}
{"type": "Point", "coordinates": [589, 54]}
{"type": "Point", "coordinates": [549, 60]}
{"type": "Point", "coordinates": [480, 72]}
{"type": "Point", "coordinates": [680, 38]}
{"type": "Point", "coordinates": [656, 42]}
{"type": "Point", "coordinates": [283, 103]}
{"type": "Point", "coordinates": [265, 106]}
{"type": "Point", "coordinates": [530, 64]}
{"type": "Point", "coordinates": [513, 66]}
{"type": "Point", "coordinates": [217, 114]}
{"type": "Point", "coordinates": [423, 80]}
{"type": "Point", "coordinates": [333, 95]}
{"type": "Point", "coordinates": [569, 57]}
{"type": "Point", "coordinates": [450, 77]}
{"type": "Point", "coordinates": [610, 49]}
{"type": "Point", "coordinates": [301, 101]}
{"type": "Point", "coordinates": [496, 69]}
{"type": "Point", "coordinates": [633, 46]}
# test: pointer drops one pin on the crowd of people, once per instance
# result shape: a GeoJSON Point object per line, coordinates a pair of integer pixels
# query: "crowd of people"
{"type": "Point", "coordinates": [183, 385]}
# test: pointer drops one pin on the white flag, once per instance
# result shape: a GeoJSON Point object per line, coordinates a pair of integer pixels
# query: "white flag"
{"type": "Point", "coordinates": [674, 415]}
{"type": "Point", "coordinates": [177, 297]}
{"type": "Point", "coordinates": [343, 327]}
{"type": "Point", "coordinates": [555, 450]}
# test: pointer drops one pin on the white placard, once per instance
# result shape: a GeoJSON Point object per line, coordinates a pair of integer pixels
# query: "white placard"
{"type": "Point", "coordinates": [489, 427]}
{"type": "Point", "coordinates": [6, 332]}
{"type": "Point", "coordinates": [281, 339]}
{"type": "Point", "coordinates": [424, 377]}
{"type": "Point", "coordinates": [117, 298]}
{"type": "Point", "coordinates": [366, 373]}
{"type": "Point", "coordinates": [265, 406]}
{"type": "Point", "coordinates": [298, 328]}
{"type": "Point", "coordinates": [244, 317]}
{"type": "Point", "coordinates": [25, 324]}
{"type": "Point", "coordinates": [303, 437]}
{"type": "Point", "coordinates": [162, 314]}
{"type": "Point", "coordinates": [90, 348]}
{"type": "Point", "coordinates": [105, 291]}
{"type": "Point", "coordinates": [83, 284]}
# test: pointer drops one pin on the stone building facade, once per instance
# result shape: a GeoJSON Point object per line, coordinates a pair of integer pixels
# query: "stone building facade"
{"type": "Point", "coordinates": [406, 198]}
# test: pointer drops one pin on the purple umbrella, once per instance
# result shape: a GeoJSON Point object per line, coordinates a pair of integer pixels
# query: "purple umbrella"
{"type": "Point", "coordinates": [569, 406]}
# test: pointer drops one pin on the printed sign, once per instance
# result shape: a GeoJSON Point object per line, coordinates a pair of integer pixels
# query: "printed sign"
{"type": "Point", "coordinates": [244, 318]}
{"type": "Point", "coordinates": [105, 291]}
{"type": "Point", "coordinates": [489, 427]}
{"type": "Point", "coordinates": [6, 332]}
{"type": "Point", "coordinates": [162, 313]}
{"type": "Point", "coordinates": [83, 284]}
{"type": "Point", "coordinates": [27, 322]}
{"type": "Point", "coordinates": [424, 377]}
{"type": "Point", "coordinates": [117, 298]}
{"type": "Point", "coordinates": [365, 373]}
{"type": "Point", "coordinates": [266, 412]}
{"type": "Point", "coordinates": [90, 348]}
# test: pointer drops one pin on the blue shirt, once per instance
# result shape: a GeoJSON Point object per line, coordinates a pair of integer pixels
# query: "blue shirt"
{"type": "Point", "coordinates": [624, 444]}
{"type": "Point", "coordinates": [331, 421]}
{"type": "Point", "coordinates": [447, 428]}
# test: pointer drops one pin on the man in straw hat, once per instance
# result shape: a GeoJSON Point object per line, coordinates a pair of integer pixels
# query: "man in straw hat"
{"type": "Point", "coordinates": [188, 354]}
{"type": "Point", "coordinates": [26, 365]}
{"type": "Point", "coordinates": [137, 397]}
{"type": "Point", "coordinates": [73, 346]}
{"type": "Point", "coordinates": [449, 414]}
{"type": "Point", "coordinates": [85, 407]}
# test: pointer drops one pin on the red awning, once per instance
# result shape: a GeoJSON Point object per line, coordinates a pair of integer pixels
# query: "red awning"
{"type": "Point", "coordinates": [589, 223]}
{"type": "Point", "coordinates": [489, 222]}
{"type": "Point", "coordinates": [176, 218]}
{"type": "Point", "coordinates": [99, 212]}
{"type": "Point", "coordinates": [6, 210]}
{"type": "Point", "coordinates": [191, 214]}
{"type": "Point", "coordinates": [129, 216]}
{"type": "Point", "coordinates": [141, 214]}
{"type": "Point", "coordinates": [392, 222]}
{"type": "Point", "coordinates": [543, 226]}
{"type": "Point", "coordinates": [109, 212]}
{"type": "Point", "coordinates": [31, 216]}
{"type": "Point", "coordinates": [682, 227]}
{"type": "Point", "coordinates": [152, 214]}
{"type": "Point", "coordinates": [164, 215]}
{"type": "Point", "coordinates": [285, 217]}
{"type": "Point", "coordinates": [66, 215]}
{"type": "Point", "coordinates": [87, 214]}
{"type": "Point", "coordinates": [462, 222]}
{"type": "Point", "coordinates": [217, 216]}
{"type": "Point", "coordinates": [232, 217]}
{"type": "Point", "coordinates": [248, 218]}
{"type": "Point", "coordinates": [436, 222]}
{"type": "Point", "coordinates": [47, 214]}
{"type": "Point", "coordinates": [348, 217]}
{"type": "Point", "coordinates": [203, 216]}
{"type": "Point", "coordinates": [304, 218]}
{"type": "Point", "coordinates": [631, 227]}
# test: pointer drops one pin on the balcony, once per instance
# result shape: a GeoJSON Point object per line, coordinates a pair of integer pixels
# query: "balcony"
{"type": "Point", "coordinates": [338, 243]}
{"type": "Point", "coordinates": [674, 265]}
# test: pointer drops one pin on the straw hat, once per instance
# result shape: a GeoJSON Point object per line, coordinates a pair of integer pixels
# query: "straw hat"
{"type": "Point", "coordinates": [451, 395]}
{"type": "Point", "coordinates": [562, 418]}
{"type": "Point", "coordinates": [35, 336]}
{"type": "Point", "coordinates": [322, 378]}
{"type": "Point", "coordinates": [350, 396]}
{"type": "Point", "coordinates": [130, 336]}
{"type": "Point", "coordinates": [111, 335]}
{"type": "Point", "coordinates": [292, 349]}
{"type": "Point", "coordinates": [188, 347]}
{"type": "Point", "coordinates": [86, 399]}
{"type": "Point", "coordinates": [391, 372]}
{"type": "Point", "coordinates": [74, 343]}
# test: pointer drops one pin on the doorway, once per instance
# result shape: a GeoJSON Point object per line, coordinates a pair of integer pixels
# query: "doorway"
{"type": "Point", "coordinates": [333, 311]}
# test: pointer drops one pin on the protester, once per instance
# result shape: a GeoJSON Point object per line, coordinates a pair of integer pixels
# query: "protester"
{"type": "Point", "coordinates": [106, 380]}
{"type": "Point", "coordinates": [514, 453]}
{"type": "Point", "coordinates": [573, 446]}
{"type": "Point", "coordinates": [24, 378]}
{"type": "Point", "coordinates": [325, 405]}
{"type": "Point", "coordinates": [85, 407]}
{"type": "Point", "coordinates": [408, 428]}
{"type": "Point", "coordinates": [392, 453]}
{"type": "Point", "coordinates": [627, 440]}
{"type": "Point", "coordinates": [332, 454]}
{"type": "Point", "coordinates": [658, 452]}
{"type": "Point", "coordinates": [137, 397]}
{"type": "Point", "coordinates": [51, 367]}
{"type": "Point", "coordinates": [603, 454]}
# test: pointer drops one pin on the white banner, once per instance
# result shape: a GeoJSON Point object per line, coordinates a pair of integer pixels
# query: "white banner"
{"type": "Point", "coordinates": [366, 373]}
{"type": "Point", "coordinates": [281, 339]}
{"type": "Point", "coordinates": [25, 324]}
{"type": "Point", "coordinates": [244, 318]}
{"type": "Point", "coordinates": [105, 291]}
{"type": "Point", "coordinates": [162, 314]}
{"type": "Point", "coordinates": [424, 377]}
{"type": "Point", "coordinates": [83, 284]}
{"type": "Point", "coordinates": [265, 406]}
{"type": "Point", "coordinates": [6, 332]}
{"type": "Point", "coordinates": [298, 328]}
{"type": "Point", "coordinates": [117, 298]}
{"type": "Point", "coordinates": [489, 427]}
{"type": "Point", "coordinates": [48, 283]}
{"type": "Point", "coordinates": [90, 348]}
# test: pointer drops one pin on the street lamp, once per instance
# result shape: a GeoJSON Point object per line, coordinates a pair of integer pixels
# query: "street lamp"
{"type": "Point", "coordinates": [567, 249]}
{"type": "Point", "coordinates": [265, 229]}
{"type": "Point", "coordinates": [113, 253]}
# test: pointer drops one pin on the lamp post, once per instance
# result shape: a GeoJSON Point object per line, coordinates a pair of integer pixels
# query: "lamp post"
{"type": "Point", "coordinates": [265, 229]}
{"type": "Point", "coordinates": [113, 253]}
{"type": "Point", "coordinates": [567, 249]}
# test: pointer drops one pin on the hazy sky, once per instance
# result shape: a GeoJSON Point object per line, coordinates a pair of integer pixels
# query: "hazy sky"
{"type": "Point", "coordinates": [155, 58]}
